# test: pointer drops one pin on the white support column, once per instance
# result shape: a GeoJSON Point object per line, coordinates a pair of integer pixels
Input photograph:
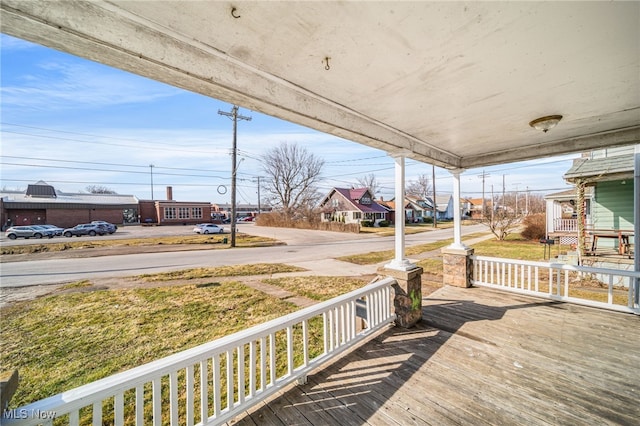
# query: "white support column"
{"type": "Point", "coordinates": [636, 221]}
{"type": "Point", "coordinates": [399, 263]}
{"type": "Point", "coordinates": [457, 220]}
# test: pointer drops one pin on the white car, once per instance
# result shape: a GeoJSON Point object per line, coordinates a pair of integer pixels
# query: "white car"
{"type": "Point", "coordinates": [208, 228]}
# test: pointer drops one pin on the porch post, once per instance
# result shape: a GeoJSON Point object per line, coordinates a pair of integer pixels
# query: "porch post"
{"type": "Point", "coordinates": [399, 262]}
{"type": "Point", "coordinates": [408, 288]}
{"type": "Point", "coordinates": [457, 220]}
{"type": "Point", "coordinates": [636, 221]}
{"type": "Point", "coordinates": [457, 266]}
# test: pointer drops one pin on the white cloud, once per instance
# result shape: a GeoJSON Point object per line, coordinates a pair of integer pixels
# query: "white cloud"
{"type": "Point", "coordinates": [73, 85]}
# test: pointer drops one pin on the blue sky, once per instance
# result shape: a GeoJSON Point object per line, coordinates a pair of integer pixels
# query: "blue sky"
{"type": "Point", "coordinates": [74, 123]}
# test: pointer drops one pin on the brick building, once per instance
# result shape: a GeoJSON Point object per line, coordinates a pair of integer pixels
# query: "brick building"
{"type": "Point", "coordinates": [41, 203]}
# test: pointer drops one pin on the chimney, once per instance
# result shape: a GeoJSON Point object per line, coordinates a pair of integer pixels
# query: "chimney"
{"type": "Point", "coordinates": [169, 193]}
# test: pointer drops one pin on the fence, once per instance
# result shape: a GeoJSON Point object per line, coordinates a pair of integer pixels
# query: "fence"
{"type": "Point", "coordinates": [597, 287]}
{"type": "Point", "coordinates": [215, 382]}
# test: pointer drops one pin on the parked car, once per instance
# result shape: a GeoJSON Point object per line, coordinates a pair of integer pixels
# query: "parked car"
{"type": "Point", "coordinates": [90, 229]}
{"type": "Point", "coordinates": [27, 232]}
{"type": "Point", "coordinates": [56, 229]}
{"type": "Point", "coordinates": [208, 228]}
{"type": "Point", "coordinates": [46, 232]}
{"type": "Point", "coordinates": [111, 228]}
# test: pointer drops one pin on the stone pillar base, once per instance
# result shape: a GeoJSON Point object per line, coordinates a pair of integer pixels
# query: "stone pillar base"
{"type": "Point", "coordinates": [408, 295]}
{"type": "Point", "coordinates": [457, 266]}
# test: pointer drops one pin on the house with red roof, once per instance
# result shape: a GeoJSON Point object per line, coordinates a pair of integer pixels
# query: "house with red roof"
{"type": "Point", "coordinates": [351, 206]}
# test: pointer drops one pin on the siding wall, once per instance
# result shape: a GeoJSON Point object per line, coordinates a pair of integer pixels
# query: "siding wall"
{"type": "Point", "coordinates": [613, 206]}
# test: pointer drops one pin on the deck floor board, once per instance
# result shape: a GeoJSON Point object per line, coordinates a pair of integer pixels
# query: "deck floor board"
{"type": "Point", "coordinates": [480, 357]}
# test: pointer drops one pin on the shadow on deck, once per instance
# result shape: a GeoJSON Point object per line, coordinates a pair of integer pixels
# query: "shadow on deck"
{"type": "Point", "coordinates": [479, 357]}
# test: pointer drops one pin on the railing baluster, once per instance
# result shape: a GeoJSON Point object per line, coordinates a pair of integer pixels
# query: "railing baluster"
{"type": "Point", "coordinates": [140, 405]}
{"type": "Point", "coordinates": [157, 401]}
{"type": "Point", "coordinates": [190, 383]}
{"type": "Point", "coordinates": [217, 386]}
{"type": "Point", "coordinates": [305, 343]}
{"type": "Point", "coordinates": [97, 413]}
{"type": "Point", "coordinates": [230, 388]}
{"type": "Point", "coordinates": [610, 290]}
{"type": "Point", "coordinates": [325, 331]}
{"type": "Point", "coordinates": [204, 391]}
{"type": "Point", "coordinates": [240, 365]}
{"type": "Point", "coordinates": [263, 363]}
{"type": "Point", "coordinates": [173, 398]}
{"type": "Point", "coordinates": [74, 418]}
{"type": "Point", "coordinates": [343, 325]}
{"type": "Point", "coordinates": [252, 368]}
{"type": "Point", "coordinates": [289, 350]}
{"type": "Point", "coordinates": [118, 409]}
{"type": "Point", "coordinates": [272, 358]}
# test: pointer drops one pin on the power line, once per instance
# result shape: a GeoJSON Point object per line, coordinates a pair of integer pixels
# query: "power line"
{"type": "Point", "coordinates": [85, 134]}
{"type": "Point", "coordinates": [107, 143]}
{"type": "Point", "coordinates": [108, 170]}
{"type": "Point", "coordinates": [107, 164]}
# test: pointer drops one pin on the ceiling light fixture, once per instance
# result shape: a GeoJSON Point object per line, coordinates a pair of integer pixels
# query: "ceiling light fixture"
{"type": "Point", "coordinates": [546, 123]}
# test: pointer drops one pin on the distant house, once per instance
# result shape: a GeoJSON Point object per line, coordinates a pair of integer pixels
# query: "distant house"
{"type": "Point", "coordinates": [608, 173]}
{"type": "Point", "coordinates": [351, 206]}
{"type": "Point", "coordinates": [444, 206]}
{"type": "Point", "coordinates": [418, 209]}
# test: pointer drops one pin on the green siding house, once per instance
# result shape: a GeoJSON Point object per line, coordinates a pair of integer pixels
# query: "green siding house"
{"type": "Point", "coordinates": [610, 175]}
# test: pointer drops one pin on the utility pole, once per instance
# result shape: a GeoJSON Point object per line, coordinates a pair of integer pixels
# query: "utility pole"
{"type": "Point", "coordinates": [151, 166]}
{"type": "Point", "coordinates": [502, 191]}
{"type": "Point", "coordinates": [483, 176]}
{"type": "Point", "coordinates": [492, 206]}
{"type": "Point", "coordinates": [259, 210]}
{"type": "Point", "coordinates": [435, 209]}
{"type": "Point", "coordinates": [234, 116]}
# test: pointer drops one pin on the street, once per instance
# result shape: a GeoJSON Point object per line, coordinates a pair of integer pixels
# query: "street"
{"type": "Point", "coordinates": [301, 246]}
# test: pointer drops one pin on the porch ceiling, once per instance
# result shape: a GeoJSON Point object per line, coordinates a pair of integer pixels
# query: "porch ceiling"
{"type": "Point", "coordinates": [449, 83]}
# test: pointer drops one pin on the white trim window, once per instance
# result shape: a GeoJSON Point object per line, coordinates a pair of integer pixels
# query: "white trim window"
{"type": "Point", "coordinates": [196, 212]}
{"type": "Point", "coordinates": [183, 212]}
{"type": "Point", "coordinates": [169, 212]}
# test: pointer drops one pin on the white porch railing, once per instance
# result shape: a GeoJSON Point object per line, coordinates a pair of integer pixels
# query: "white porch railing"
{"type": "Point", "coordinates": [212, 383]}
{"type": "Point", "coordinates": [559, 282]}
{"type": "Point", "coordinates": [565, 225]}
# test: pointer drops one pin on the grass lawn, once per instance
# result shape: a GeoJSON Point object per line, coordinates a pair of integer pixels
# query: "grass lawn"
{"type": "Point", "coordinates": [318, 288]}
{"type": "Point", "coordinates": [63, 341]}
{"type": "Point", "coordinates": [374, 257]}
{"type": "Point", "coordinates": [68, 339]}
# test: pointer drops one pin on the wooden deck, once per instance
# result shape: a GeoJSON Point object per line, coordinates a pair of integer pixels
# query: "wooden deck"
{"type": "Point", "coordinates": [479, 357]}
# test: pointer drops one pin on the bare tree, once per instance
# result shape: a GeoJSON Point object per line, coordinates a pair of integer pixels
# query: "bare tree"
{"type": "Point", "coordinates": [420, 187]}
{"type": "Point", "coordinates": [369, 181]}
{"type": "Point", "coordinates": [502, 220]}
{"type": "Point", "coordinates": [292, 174]}
{"type": "Point", "coordinates": [98, 189]}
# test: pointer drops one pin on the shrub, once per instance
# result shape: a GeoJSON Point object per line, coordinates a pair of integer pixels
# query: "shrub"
{"type": "Point", "coordinates": [366, 223]}
{"type": "Point", "coordinates": [383, 223]}
{"type": "Point", "coordinates": [535, 226]}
